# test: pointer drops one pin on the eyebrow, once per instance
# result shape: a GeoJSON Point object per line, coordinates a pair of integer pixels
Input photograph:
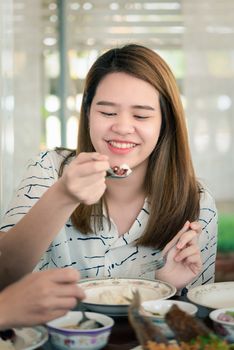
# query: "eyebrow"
{"type": "Point", "coordinates": [107, 103]}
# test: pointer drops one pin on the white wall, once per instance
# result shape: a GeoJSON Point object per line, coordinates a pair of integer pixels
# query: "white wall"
{"type": "Point", "coordinates": [209, 91]}
{"type": "Point", "coordinates": [20, 78]}
{"type": "Point", "coordinates": [6, 103]}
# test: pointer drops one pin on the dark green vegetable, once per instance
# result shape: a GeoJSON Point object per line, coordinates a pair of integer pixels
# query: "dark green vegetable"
{"type": "Point", "coordinates": [211, 342]}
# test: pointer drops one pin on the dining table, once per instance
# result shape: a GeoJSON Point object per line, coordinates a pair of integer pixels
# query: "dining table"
{"type": "Point", "coordinates": [123, 336]}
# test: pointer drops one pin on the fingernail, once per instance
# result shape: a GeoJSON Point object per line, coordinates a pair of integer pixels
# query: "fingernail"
{"type": "Point", "coordinates": [179, 245]}
{"type": "Point", "coordinates": [187, 224]}
{"type": "Point", "coordinates": [177, 258]}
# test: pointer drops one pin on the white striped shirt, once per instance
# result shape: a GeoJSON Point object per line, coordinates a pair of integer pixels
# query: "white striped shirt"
{"type": "Point", "coordinates": [104, 254]}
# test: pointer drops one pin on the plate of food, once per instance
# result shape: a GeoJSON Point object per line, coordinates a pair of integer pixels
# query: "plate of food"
{"type": "Point", "coordinates": [214, 295]}
{"type": "Point", "coordinates": [190, 333]}
{"type": "Point", "coordinates": [112, 296]}
{"type": "Point", "coordinates": [26, 338]}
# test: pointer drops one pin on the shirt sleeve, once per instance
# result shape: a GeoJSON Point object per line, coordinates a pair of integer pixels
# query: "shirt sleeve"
{"type": "Point", "coordinates": [41, 173]}
{"type": "Point", "coordinates": [208, 219]}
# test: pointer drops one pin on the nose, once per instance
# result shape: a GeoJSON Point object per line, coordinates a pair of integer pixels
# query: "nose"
{"type": "Point", "coordinates": [123, 125]}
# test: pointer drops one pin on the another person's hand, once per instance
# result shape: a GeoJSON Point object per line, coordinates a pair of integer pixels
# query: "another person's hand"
{"type": "Point", "coordinates": [39, 297]}
{"type": "Point", "coordinates": [84, 178]}
{"type": "Point", "coordinates": [183, 257]}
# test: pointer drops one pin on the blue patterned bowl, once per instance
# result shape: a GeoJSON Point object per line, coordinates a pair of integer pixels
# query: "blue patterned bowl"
{"type": "Point", "coordinates": [71, 339]}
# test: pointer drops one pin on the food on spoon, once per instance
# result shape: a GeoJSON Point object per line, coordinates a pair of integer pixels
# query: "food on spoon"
{"type": "Point", "coordinates": [122, 170]}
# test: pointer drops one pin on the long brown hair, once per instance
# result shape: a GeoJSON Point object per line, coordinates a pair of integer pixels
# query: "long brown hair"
{"type": "Point", "coordinates": [170, 182]}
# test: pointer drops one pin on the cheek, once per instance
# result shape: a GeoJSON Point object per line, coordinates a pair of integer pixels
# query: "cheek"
{"type": "Point", "coordinates": [92, 129]}
{"type": "Point", "coordinates": [95, 129]}
{"type": "Point", "coordinates": [92, 123]}
{"type": "Point", "coordinates": [152, 135]}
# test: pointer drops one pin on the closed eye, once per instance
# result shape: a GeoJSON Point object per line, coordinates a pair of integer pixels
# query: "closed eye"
{"type": "Point", "coordinates": [141, 117]}
{"type": "Point", "coordinates": [108, 114]}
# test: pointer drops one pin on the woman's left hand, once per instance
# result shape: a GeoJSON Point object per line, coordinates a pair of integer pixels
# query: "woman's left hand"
{"type": "Point", "coordinates": [183, 257]}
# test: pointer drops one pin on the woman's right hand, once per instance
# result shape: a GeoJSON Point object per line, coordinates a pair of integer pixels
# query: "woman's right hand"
{"type": "Point", "coordinates": [84, 178]}
{"type": "Point", "coordinates": [39, 297]}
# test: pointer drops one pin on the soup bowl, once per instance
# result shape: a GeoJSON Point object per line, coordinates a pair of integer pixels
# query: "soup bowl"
{"type": "Point", "coordinates": [65, 337]}
{"type": "Point", "coordinates": [156, 310]}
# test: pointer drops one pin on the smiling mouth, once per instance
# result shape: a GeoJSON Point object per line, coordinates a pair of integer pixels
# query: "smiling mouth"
{"type": "Point", "coordinates": [122, 145]}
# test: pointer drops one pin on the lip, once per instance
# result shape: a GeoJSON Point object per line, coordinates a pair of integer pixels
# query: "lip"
{"type": "Point", "coordinates": [117, 150]}
{"type": "Point", "coordinates": [120, 141]}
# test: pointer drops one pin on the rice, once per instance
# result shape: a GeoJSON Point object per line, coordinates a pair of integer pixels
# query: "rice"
{"type": "Point", "coordinates": [6, 345]}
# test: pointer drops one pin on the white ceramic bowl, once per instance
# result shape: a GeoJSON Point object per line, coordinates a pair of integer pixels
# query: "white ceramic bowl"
{"type": "Point", "coordinates": [90, 339]}
{"type": "Point", "coordinates": [213, 295]}
{"type": "Point", "coordinates": [223, 328]}
{"type": "Point", "coordinates": [156, 310]}
{"type": "Point", "coordinates": [108, 295]}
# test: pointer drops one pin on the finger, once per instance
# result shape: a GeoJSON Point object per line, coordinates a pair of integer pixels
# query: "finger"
{"type": "Point", "coordinates": [174, 241]}
{"type": "Point", "coordinates": [65, 275]}
{"type": "Point", "coordinates": [69, 290]}
{"type": "Point", "coordinates": [186, 253]}
{"type": "Point", "coordinates": [91, 168]}
{"type": "Point", "coordinates": [46, 317]}
{"type": "Point", "coordinates": [196, 226]}
{"type": "Point", "coordinates": [52, 315]}
{"type": "Point", "coordinates": [84, 157]}
{"type": "Point", "coordinates": [184, 229]}
{"type": "Point", "coordinates": [194, 259]}
{"type": "Point", "coordinates": [98, 156]}
{"type": "Point", "coordinates": [189, 237]}
{"type": "Point", "coordinates": [92, 180]}
{"type": "Point", "coordinates": [194, 263]}
{"type": "Point", "coordinates": [65, 303]}
{"type": "Point", "coordinates": [97, 169]}
{"type": "Point", "coordinates": [195, 268]}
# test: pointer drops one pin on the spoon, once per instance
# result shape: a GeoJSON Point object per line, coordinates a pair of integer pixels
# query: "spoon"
{"type": "Point", "coordinates": [119, 172]}
{"type": "Point", "coordinates": [87, 323]}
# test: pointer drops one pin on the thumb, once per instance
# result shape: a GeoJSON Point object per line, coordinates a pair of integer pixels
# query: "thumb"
{"type": "Point", "coordinates": [175, 240]}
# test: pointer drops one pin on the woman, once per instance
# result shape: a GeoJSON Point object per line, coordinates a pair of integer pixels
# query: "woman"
{"type": "Point", "coordinates": [131, 113]}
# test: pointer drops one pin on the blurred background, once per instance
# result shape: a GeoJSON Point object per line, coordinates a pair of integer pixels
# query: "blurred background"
{"type": "Point", "coordinates": [47, 47]}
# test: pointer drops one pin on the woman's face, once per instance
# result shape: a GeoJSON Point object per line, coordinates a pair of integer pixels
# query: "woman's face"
{"type": "Point", "coordinates": [125, 119]}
